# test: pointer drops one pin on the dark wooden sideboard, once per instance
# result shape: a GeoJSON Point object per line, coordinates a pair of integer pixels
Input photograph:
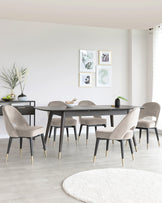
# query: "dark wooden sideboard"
{"type": "Point", "coordinates": [24, 107]}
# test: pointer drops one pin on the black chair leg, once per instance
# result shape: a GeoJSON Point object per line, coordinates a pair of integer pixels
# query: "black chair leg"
{"type": "Point", "coordinates": [44, 146]}
{"type": "Point", "coordinates": [21, 141]}
{"type": "Point", "coordinates": [131, 148]}
{"type": "Point", "coordinates": [67, 131]}
{"type": "Point", "coordinates": [107, 147]}
{"type": "Point", "coordinates": [87, 131]}
{"type": "Point", "coordinates": [50, 132]}
{"type": "Point", "coordinates": [75, 134]}
{"type": "Point", "coordinates": [140, 133]}
{"type": "Point", "coordinates": [157, 136]}
{"type": "Point", "coordinates": [122, 151]}
{"type": "Point", "coordinates": [54, 136]}
{"type": "Point", "coordinates": [147, 134]}
{"type": "Point", "coordinates": [95, 128]}
{"type": "Point", "coordinates": [96, 148]}
{"type": "Point", "coordinates": [134, 142]}
{"type": "Point", "coordinates": [80, 130]}
{"type": "Point", "coordinates": [8, 148]}
{"type": "Point", "coordinates": [31, 148]}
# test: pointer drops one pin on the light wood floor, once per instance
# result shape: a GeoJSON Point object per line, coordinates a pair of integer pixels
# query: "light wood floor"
{"type": "Point", "coordinates": [41, 182]}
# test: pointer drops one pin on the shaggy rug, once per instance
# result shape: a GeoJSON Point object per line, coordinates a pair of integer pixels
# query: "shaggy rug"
{"type": "Point", "coordinates": [115, 186]}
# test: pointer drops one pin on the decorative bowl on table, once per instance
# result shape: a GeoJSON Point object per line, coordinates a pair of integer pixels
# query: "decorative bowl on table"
{"type": "Point", "coordinates": [70, 105]}
{"type": "Point", "coordinates": [7, 99]}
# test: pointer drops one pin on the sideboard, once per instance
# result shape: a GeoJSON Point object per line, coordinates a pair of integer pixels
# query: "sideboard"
{"type": "Point", "coordinates": [24, 107]}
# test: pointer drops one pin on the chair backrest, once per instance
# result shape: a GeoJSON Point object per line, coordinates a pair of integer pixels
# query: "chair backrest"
{"type": "Point", "coordinates": [150, 109]}
{"type": "Point", "coordinates": [57, 103]}
{"type": "Point", "coordinates": [12, 119]}
{"type": "Point", "coordinates": [87, 103]}
{"type": "Point", "coordinates": [127, 125]}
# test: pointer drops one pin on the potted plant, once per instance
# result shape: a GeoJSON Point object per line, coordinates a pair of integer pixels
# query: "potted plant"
{"type": "Point", "coordinates": [9, 78]}
{"type": "Point", "coordinates": [117, 101]}
{"type": "Point", "coordinates": [22, 75]}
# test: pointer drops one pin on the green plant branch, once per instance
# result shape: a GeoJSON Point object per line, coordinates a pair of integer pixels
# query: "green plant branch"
{"type": "Point", "coordinates": [122, 98]}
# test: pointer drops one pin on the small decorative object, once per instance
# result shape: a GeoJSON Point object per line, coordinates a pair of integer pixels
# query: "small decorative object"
{"type": "Point", "coordinates": [104, 76]}
{"type": "Point", "coordinates": [117, 101]}
{"type": "Point", "coordinates": [22, 75]}
{"type": "Point", "coordinates": [71, 103]}
{"type": "Point", "coordinates": [85, 79]}
{"type": "Point", "coordinates": [7, 98]}
{"type": "Point", "coordinates": [9, 78]}
{"type": "Point", "coordinates": [87, 61]}
{"type": "Point", "coordinates": [104, 57]}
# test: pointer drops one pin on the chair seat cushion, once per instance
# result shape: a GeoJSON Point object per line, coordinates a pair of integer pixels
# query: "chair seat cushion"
{"type": "Point", "coordinates": [145, 123]}
{"type": "Point", "coordinates": [56, 122]}
{"type": "Point", "coordinates": [29, 131]}
{"type": "Point", "coordinates": [106, 133]}
{"type": "Point", "coordinates": [93, 121]}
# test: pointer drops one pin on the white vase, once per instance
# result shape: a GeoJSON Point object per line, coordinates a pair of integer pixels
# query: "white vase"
{"type": "Point", "coordinates": [22, 97]}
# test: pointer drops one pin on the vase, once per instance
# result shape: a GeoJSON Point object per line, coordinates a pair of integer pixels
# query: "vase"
{"type": "Point", "coordinates": [12, 95]}
{"type": "Point", "coordinates": [22, 97]}
{"type": "Point", "coordinates": [117, 102]}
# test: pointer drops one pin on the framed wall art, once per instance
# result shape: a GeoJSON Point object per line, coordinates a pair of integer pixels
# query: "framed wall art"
{"type": "Point", "coordinates": [86, 79]}
{"type": "Point", "coordinates": [104, 76]}
{"type": "Point", "coordinates": [87, 61]}
{"type": "Point", "coordinates": [104, 58]}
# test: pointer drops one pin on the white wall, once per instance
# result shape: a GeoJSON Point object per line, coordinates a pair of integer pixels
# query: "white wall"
{"type": "Point", "coordinates": [139, 54]}
{"type": "Point", "coordinates": [52, 53]}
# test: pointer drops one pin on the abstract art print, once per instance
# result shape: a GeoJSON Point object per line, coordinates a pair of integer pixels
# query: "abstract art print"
{"type": "Point", "coordinates": [85, 80]}
{"type": "Point", "coordinates": [104, 76]}
{"type": "Point", "coordinates": [104, 57]}
{"type": "Point", "coordinates": [87, 61]}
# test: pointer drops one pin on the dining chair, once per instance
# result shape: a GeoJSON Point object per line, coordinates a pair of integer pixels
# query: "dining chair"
{"type": "Point", "coordinates": [93, 121]}
{"type": "Point", "coordinates": [123, 132]}
{"type": "Point", "coordinates": [18, 127]}
{"type": "Point", "coordinates": [148, 119]}
{"type": "Point", "coordinates": [70, 122]}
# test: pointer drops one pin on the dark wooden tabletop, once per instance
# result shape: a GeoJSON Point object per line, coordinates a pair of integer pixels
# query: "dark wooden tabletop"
{"type": "Point", "coordinates": [83, 108]}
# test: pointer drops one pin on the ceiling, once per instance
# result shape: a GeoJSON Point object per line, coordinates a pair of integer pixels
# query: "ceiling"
{"type": "Point", "coordinates": [128, 14]}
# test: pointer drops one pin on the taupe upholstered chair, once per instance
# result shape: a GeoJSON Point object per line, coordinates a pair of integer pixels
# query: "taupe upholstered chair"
{"type": "Point", "coordinates": [56, 122]}
{"type": "Point", "coordinates": [148, 119]}
{"type": "Point", "coordinates": [124, 131]}
{"type": "Point", "coordinates": [90, 121]}
{"type": "Point", "coordinates": [17, 127]}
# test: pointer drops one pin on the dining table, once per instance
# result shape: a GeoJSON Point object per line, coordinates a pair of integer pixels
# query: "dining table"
{"type": "Point", "coordinates": [94, 110]}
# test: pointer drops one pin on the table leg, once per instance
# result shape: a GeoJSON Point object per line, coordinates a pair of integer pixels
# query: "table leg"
{"type": "Point", "coordinates": [61, 134]}
{"type": "Point", "coordinates": [112, 120]}
{"type": "Point", "coordinates": [48, 125]}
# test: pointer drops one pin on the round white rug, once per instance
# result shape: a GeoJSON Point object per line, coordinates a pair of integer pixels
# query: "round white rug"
{"type": "Point", "coordinates": [115, 186]}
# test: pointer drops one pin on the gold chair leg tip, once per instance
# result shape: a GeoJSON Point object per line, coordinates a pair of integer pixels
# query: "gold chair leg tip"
{"type": "Point", "coordinates": [32, 159]}
{"type": "Point", "coordinates": [45, 153]}
{"type": "Point", "coordinates": [59, 155]}
{"type": "Point", "coordinates": [94, 159]}
{"type": "Point", "coordinates": [132, 157]}
{"type": "Point", "coordinates": [136, 149]}
{"type": "Point", "coordinates": [6, 157]}
{"type": "Point", "coordinates": [122, 162]}
{"type": "Point", "coordinates": [159, 143]}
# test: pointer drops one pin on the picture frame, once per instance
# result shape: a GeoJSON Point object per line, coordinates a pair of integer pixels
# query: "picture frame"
{"type": "Point", "coordinates": [104, 76]}
{"type": "Point", "coordinates": [104, 58]}
{"type": "Point", "coordinates": [85, 79]}
{"type": "Point", "coordinates": [87, 61]}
